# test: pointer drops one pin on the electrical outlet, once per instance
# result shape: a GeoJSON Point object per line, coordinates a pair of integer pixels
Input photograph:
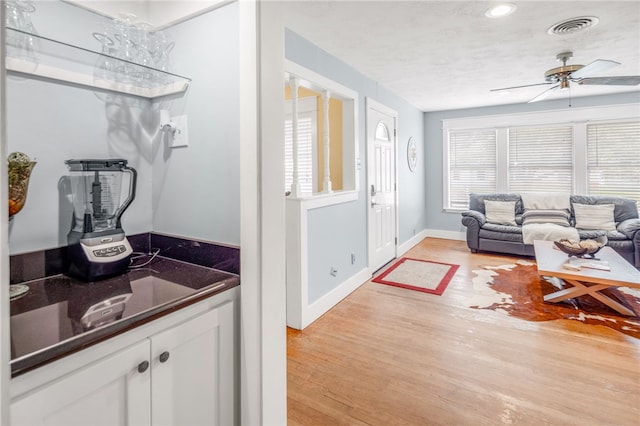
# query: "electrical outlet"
{"type": "Point", "coordinates": [333, 272]}
{"type": "Point", "coordinates": [353, 258]}
{"type": "Point", "coordinates": [180, 136]}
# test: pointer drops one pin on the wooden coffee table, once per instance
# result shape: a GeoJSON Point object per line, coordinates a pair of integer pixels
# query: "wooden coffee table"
{"type": "Point", "coordinates": [586, 280]}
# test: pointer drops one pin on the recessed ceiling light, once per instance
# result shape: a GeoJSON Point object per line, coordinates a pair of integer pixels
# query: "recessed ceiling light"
{"type": "Point", "coordinates": [500, 10]}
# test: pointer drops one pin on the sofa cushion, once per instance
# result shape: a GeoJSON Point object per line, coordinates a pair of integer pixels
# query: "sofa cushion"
{"type": "Point", "coordinates": [625, 207]}
{"type": "Point", "coordinates": [558, 217]}
{"type": "Point", "coordinates": [500, 236]}
{"type": "Point", "coordinates": [594, 216]}
{"type": "Point", "coordinates": [591, 234]}
{"type": "Point", "coordinates": [500, 212]}
{"type": "Point", "coordinates": [508, 229]}
{"type": "Point", "coordinates": [629, 227]}
{"type": "Point", "coordinates": [476, 201]}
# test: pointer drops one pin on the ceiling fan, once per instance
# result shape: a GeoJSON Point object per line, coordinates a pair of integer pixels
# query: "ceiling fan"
{"type": "Point", "coordinates": [581, 74]}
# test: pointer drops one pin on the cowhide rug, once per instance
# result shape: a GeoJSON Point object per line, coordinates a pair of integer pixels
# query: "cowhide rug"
{"type": "Point", "coordinates": [518, 290]}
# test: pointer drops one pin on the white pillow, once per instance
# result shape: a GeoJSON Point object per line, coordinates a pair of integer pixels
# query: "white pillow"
{"type": "Point", "coordinates": [500, 212]}
{"type": "Point", "coordinates": [596, 216]}
{"type": "Point", "coordinates": [545, 200]}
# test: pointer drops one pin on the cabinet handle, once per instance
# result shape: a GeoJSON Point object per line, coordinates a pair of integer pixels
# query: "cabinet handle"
{"type": "Point", "coordinates": [164, 356]}
{"type": "Point", "coordinates": [142, 367]}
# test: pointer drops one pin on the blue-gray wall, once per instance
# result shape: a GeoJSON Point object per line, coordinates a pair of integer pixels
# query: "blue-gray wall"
{"type": "Point", "coordinates": [437, 218]}
{"type": "Point", "coordinates": [339, 230]}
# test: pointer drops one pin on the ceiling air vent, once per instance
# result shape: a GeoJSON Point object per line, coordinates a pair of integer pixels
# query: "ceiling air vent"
{"type": "Point", "coordinates": [573, 25]}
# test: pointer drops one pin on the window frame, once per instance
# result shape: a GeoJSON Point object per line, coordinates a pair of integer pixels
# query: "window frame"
{"type": "Point", "coordinates": [558, 128]}
{"type": "Point", "coordinates": [350, 133]}
{"type": "Point", "coordinates": [307, 108]}
{"type": "Point", "coordinates": [604, 122]}
{"type": "Point", "coordinates": [578, 118]}
{"type": "Point", "coordinates": [449, 158]}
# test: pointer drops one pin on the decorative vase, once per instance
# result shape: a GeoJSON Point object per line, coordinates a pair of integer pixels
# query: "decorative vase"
{"type": "Point", "coordinates": [19, 174]}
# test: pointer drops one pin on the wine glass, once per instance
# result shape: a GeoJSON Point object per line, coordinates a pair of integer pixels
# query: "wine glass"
{"type": "Point", "coordinates": [20, 43]}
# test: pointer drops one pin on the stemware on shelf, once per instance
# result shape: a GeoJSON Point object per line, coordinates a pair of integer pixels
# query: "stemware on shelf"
{"type": "Point", "coordinates": [140, 49]}
{"type": "Point", "coordinates": [20, 44]}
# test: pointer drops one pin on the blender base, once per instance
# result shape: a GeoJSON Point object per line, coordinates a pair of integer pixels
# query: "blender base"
{"type": "Point", "coordinates": [94, 257]}
{"type": "Point", "coordinates": [92, 271]}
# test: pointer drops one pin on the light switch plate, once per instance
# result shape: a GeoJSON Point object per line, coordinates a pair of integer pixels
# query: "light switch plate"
{"type": "Point", "coordinates": [181, 135]}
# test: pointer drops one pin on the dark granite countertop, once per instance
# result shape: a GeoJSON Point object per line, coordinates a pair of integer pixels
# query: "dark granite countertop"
{"type": "Point", "coordinates": [61, 315]}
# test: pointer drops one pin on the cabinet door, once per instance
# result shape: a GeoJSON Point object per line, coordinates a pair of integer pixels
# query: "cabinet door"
{"type": "Point", "coordinates": [195, 384]}
{"type": "Point", "coordinates": [110, 391]}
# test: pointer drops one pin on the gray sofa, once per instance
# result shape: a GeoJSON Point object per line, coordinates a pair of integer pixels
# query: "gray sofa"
{"type": "Point", "coordinates": [500, 238]}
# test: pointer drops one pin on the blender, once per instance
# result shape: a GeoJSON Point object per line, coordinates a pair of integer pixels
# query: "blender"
{"type": "Point", "coordinates": [98, 247]}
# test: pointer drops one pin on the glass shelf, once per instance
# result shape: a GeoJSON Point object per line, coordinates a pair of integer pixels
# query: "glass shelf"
{"type": "Point", "coordinates": [61, 61]}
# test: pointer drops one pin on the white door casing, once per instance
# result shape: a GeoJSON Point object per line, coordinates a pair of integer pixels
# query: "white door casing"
{"type": "Point", "coordinates": [5, 343]}
{"type": "Point", "coordinates": [381, 188]}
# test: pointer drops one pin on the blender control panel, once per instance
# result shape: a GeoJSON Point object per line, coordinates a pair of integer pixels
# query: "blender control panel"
{"type": "Point", "coordinates": [110, 251]}
{"type": "Point", "coordinates": [107, 252]}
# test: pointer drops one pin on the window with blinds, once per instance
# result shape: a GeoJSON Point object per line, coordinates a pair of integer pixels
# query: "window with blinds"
{"type": "Point", "coordinates": [613, 159]}
{"type": "Point", "coordinates": [307, 140]}
{"type": "Point", "coordinates": [540, 159]}
{"type": "Point", "coordinates": [472, 164]}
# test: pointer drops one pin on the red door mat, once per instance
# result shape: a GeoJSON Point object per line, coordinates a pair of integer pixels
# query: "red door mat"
{"type": "Point", "coordinates": [420, 275]}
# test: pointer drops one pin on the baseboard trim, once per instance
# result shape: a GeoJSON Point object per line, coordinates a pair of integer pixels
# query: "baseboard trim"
{"type": "Point", "coordinates": [408, 245]}
{"type": "Point", "coordinates": [447, 235]}
{"type": "Point", "coordinates": [433, 233]}
{"type": "Point", "coordinates": [312, 312]}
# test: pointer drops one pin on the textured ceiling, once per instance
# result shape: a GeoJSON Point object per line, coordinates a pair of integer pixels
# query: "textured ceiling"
{"type": "Point", "coordinates": [441, 55]}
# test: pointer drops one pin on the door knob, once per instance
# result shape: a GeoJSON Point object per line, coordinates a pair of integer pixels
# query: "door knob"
{"type": "Point", "coordinates": [164, 356]}
{"type": "Point", "coordinates": [143, 366]}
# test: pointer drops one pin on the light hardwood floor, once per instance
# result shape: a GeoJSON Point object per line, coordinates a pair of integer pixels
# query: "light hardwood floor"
{"type": "Point", "coordinates": [390, 356]}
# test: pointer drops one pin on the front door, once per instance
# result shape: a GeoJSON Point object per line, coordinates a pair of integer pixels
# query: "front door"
{"type": "Point", "coordinates": [381, 190]}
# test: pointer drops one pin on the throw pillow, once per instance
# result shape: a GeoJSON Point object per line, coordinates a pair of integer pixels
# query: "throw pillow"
{"type": "Point", "coordinates": [500, 212]}
{"type": "Point", "coordinates": [595, 216]}
{"type": "Point", "coordinates": [558, 217]}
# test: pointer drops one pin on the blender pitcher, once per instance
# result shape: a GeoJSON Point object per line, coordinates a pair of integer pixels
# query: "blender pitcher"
{"type": "Point", "coordinates": [98, 247]}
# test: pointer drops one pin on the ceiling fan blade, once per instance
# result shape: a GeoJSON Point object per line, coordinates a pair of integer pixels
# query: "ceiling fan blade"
{"type": "Point", "coordinates": [544, 94]}
{"type": "Point", "coordinates": [594, 67]}
{"type": "Point", "coordinates": [630, 80]}
{"type": "Point", "coordinates": [520, 87]}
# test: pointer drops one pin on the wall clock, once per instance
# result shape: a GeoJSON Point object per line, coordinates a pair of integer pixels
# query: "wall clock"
{"type": "Point", "coordinates": [412, 154]}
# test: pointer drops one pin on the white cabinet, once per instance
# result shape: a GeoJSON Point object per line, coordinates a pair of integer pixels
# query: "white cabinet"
{"type": "Point", "coordinates": [191, 371]}
{"type": "Point", "coordinates": [109, 391]}
{"type": "Point", "coordinates": [183, 372]}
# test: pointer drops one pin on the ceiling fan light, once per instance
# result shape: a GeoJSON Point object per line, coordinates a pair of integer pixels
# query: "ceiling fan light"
{"type": "Point", "coordinates": [500, 10]}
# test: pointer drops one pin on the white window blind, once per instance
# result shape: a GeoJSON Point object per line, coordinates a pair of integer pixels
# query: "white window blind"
{"type": "Point", "coordinates": [541, 159]}
{"type": "Point", "coordinates": [306, 141]}
{"type": "Point", "coordinates": [472, 164]}
{"type": "Point", "coordinates": [613, 159]}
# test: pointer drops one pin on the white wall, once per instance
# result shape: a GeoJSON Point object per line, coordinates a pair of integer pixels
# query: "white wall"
{"type": "Point", "coordinates": [190, 192]}
{"type": "Point", "coordinates": [112, 8]}
{"type": "Point", "coordinates": [53, 122]}
{"type": "Point", "coordinates": [157, 13]}
{"type": "Point", "coordinates": [197, 188]}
